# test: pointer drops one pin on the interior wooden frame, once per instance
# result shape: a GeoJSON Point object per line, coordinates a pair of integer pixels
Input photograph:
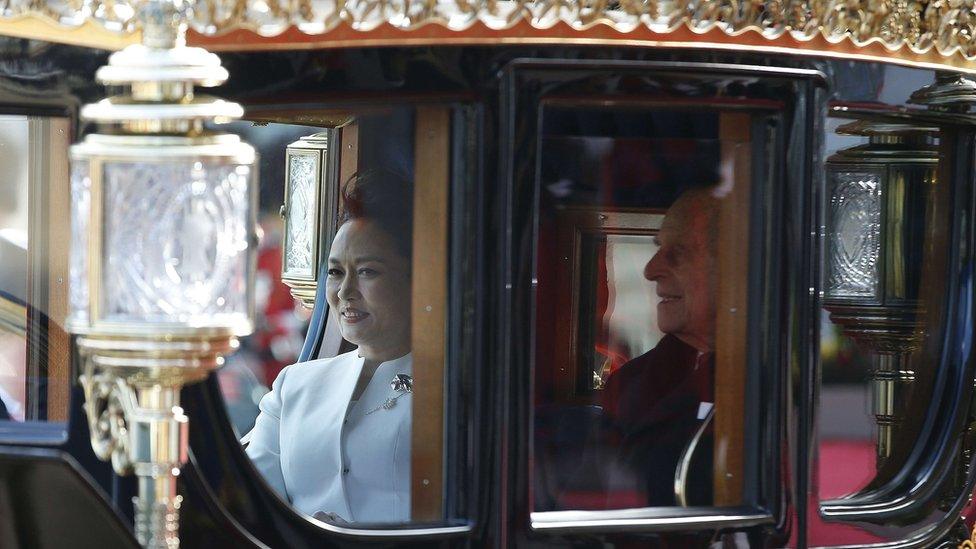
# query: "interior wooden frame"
{"type": "Point", "coordinates": [49, 235]}
{"type": "Point", "coordinates": [574, 226]}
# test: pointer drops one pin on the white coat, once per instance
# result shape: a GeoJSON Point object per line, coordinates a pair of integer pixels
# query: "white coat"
{"type": "Point", "coordinates": [323, 454]}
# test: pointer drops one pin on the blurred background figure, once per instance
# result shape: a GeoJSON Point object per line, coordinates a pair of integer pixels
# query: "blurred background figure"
{"type": "Point", "coordinates": [279, 331]}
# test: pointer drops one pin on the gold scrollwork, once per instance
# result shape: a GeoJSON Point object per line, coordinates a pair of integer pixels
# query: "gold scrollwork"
{"type": "Point", "coordinates": [919, 27]}
{"type": "Point", "coordinates": [113, 15]}
{"type": "Point", "coordinates": [969, 543]}
{"type": "Point", "coordinates": [108, 399]}
{"type": "Point", "coordinates": [946, 26]}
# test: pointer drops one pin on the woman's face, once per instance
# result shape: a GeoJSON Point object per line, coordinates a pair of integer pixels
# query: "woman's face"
{"type": "Point", "coordinates": [368, 289]}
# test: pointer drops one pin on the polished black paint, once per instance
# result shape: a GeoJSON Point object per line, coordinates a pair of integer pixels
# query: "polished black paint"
{"type": "Point", "coordinates": [226, 502]}
{"type": "Point", "coordinates": [48, 501]}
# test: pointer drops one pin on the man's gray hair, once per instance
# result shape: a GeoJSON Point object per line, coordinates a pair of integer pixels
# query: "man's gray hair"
{"type": "Point", "coordinates": [699, 209]}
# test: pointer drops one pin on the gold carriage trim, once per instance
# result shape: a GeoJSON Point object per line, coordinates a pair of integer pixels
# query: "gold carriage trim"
{"type": "Point", "coordinates": [88, 33]}
{"type": "Point", "coordinates": [525, 33]}
{"type": "Point", "coordinates": [969, 543]}
{"type": "Point", "coordinates": [934, 33]}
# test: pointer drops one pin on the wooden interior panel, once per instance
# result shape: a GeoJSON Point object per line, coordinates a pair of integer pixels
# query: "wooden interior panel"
{"type": "Point", "coordinates": [58, 138]}
{"type": "Point", "coordinates": [429, 310]}
{"type": "Point", "coordinates": [349, 157]}
{"type": "Point", "coordinates": [332, 342]}
{"type": "Point", "coordinates": [49, 201]}
{"type": "Point", "coordinates": [731, 310]}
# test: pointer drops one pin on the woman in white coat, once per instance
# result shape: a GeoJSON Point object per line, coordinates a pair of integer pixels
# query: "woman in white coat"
{"type": "Point", "coordinates": [333, 435]}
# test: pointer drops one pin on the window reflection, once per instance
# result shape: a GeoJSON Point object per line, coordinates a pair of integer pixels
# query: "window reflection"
{"type": "Point", "coordinates": [642, 262]}
{"type": "Point", "coordinates": [13, 267]}
{"type": "Point", "coordinates": [886, 226]}
{"type": "Point", "coordinates": [847, 429]}
{"type": "Point", "coordinates": [13, 358]}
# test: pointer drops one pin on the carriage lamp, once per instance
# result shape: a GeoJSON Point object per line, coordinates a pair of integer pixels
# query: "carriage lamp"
{"type": "Point", "coordinates": [875, 223]}
{"type": "Point", "coordinates": [311, 197]}
{"type": "Point", "coordinates": [162, 256]}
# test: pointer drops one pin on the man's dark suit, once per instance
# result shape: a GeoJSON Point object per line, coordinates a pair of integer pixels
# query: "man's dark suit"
{"type": "Point", "coordinates": [651, 411]}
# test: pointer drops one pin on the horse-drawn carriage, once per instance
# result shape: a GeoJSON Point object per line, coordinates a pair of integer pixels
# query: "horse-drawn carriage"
{"type": "Point", "coordinates": [680, 273]}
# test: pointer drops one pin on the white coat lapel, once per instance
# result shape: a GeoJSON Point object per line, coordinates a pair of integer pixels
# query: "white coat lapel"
{"type": "Point", "coordinates": [350, 376]}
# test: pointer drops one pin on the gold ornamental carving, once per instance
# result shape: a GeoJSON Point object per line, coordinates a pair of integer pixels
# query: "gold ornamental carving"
{"type": "Point", "coordinates": [969, 543]}
{"type": "Point", "coordinates": [927, 31]}
{"type": "Point", "coordinates": [921, 26]}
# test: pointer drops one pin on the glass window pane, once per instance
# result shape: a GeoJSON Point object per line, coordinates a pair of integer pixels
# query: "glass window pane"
{"type": "Point", "coordinates": [847, 428]}
{"type": "Point", "coordinates": [642, 264]}
{"type": "Point", "coordinates": [280, 320]}
{"type": "Point", "coordinates": [34, 228]}
{"type": "Point", "coordinates": [13, 268]}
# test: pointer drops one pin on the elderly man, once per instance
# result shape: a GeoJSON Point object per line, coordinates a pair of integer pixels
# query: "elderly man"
{"type": "Point", "coordinates": [656, 402]}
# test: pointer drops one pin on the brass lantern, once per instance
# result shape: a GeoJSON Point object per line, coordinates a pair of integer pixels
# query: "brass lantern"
{"type": "Point", "coordinates": [874, 245]}
{"type": "Point", "coordinates": [162, 256]}
{"type": "Point", "coordinates": [311, 197]}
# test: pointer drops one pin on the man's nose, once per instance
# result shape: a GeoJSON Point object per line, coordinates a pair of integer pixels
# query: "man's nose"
{"type": "Point", "coordinates": [653, 269]}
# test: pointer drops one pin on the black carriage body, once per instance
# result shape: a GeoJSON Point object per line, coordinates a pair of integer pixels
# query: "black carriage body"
{"type": "Point", "coordinates": [55, 493]}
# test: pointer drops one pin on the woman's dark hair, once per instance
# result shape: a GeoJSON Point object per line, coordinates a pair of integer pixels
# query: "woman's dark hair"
{"type": "Point", "coordinates": [384, 197]}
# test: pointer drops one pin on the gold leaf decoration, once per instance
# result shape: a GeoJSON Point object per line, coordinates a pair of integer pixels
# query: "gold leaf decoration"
{"type": "Point", "coordinates": [948, 26]}
{"type": "Point", "coordinates": [969, 543]}
{"type": "Point", "coordinates": [919, 27]}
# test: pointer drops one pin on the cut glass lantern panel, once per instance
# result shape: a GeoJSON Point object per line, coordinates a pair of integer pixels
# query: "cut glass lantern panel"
{"type": "Point", "coordinates": [80, 219]}
{"type": "Point", "coordinates": [176, 247]}
{"type": "Point", "coordinates": [301, 214]}
{"type": "Point", "coordinates": [854, 235]}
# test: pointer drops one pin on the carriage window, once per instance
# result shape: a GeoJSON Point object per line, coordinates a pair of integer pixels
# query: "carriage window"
{"type": "Point", "coordinates": [641, 307]}
{"type": "Point", "coordinates": [34, 349]}
{"type": "Point", "coordinates": [280, 320]}
{"type": "Point", "coordinates": [355, 434]}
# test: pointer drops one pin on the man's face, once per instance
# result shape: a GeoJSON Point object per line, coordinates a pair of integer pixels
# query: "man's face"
{"type": "Point", "coordinates": [684, 270]}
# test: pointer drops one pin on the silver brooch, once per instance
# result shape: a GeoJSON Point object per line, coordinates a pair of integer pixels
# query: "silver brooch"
{"type": "Point", "coordinates": [402, 383]}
